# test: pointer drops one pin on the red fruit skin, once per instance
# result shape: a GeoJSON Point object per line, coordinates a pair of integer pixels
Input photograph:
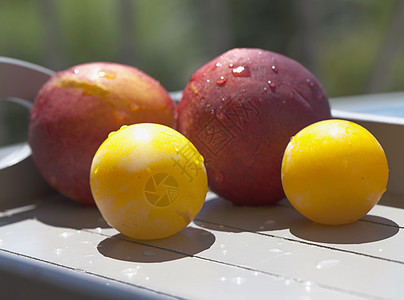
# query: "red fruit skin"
{"type": "Point", "coordinates": [76, 110]}
{"type": "Point", "coordinates": [240, 110]}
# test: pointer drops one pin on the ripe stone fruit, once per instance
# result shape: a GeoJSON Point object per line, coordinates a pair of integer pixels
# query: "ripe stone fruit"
{"type": "Point", "coordinates": [334, 172]}
{"type": "Point", "coordinates": [148, 181]}
{"type": "Point", "coordinates": [77, 108]}
{"type": "Point", "coordinates": [240, 110]}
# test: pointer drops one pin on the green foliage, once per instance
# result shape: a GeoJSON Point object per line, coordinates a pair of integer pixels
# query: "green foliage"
{"type": "Point", "coordinates": [171, 39]}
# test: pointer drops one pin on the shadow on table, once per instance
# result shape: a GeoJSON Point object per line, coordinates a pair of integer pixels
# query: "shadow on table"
{"type": "Point", "coordinates": [188, 242]}
{"type": "Point", "coordinates": [368, 229]}
{"type": "Point", "coordinates": [222, 215]}
{"type": "Point", "coordinates": [55, 210]}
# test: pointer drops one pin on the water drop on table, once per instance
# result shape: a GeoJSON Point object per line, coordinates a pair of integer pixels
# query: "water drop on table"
{"type": "Point", "coordinates": [66, 234]}
{"type": "Point", "coordinates": [130, 272]}
{"type": "Point", "coordinates": [308, 286]}
{"type": "Point", "coordinates": [148, 253]}
{"type": "Point", "coordinates": [327, 263]}
{"type": "Point", "coordinates": [269, 222]}
{"type": "Point", "coordinates": [238, 280]}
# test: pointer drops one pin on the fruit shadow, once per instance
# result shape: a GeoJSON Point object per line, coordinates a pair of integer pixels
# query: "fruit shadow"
{"type": "Point", "coordinates": [369, 229]}
{"type": "Point", "coordinates": [54, 210]}
{"type": "Point", "coordinates": [187, 243]}
{"type": "Point", "coordinates": [220, 214]}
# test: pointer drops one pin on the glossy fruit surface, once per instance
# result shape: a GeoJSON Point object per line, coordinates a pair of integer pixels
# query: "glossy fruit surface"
{"type": "Point", "coordinates": [334, 172]}
{"type": "Point", "coordinates": [75, 111]}
{"type": "Point", "coordinates": [148, 181]}
{"type": "Point", "coordinates": [240, 110]}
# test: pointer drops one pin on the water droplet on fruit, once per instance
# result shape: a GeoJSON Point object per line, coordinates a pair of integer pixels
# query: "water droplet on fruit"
{"type": "Point", "coordinates": [218, 176]}
{"type": "Point", "coordinates": [231, 65]}
{"type": "Point", "coordinates": [134, 107]}
{"type": "Point", "coordinates": [207, 80]}
{"type": "Point", "coordinates": [123, 127]}
{"type": "Point", "coordinates": [220, 115]}
{"type": "Point", "coordinates": [272, 85]}
{"type": "Point", "coordinates": [274, 68]}
{"type": "Point", "coordinates": [241, 72]}
{"type": "Point", "coordinates": [309, 82]}
{"type": "Point", "coordinates": [111, 133]}
{"type": "Point", "coordinates": [221, 81]}
{"type": "Point", "coordinates": [76, 71]}
{"type": "Point", "coordinates": [218, 65]}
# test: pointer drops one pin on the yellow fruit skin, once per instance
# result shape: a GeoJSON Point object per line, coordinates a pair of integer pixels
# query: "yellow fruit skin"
{"type": "Point", "coordinates": [334, 172]}
{"type": "Point", "coordinates": [125, 175]}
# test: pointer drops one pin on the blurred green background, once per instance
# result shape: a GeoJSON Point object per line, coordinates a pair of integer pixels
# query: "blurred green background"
{"type": "Point", "coordinates": [352, 46]}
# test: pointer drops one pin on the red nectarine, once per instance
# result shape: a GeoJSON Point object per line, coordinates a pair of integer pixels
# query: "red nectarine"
{"type": "Point", "coordinates": [240, 110]}
{"type": "Point", "coordinates": [76, 110]}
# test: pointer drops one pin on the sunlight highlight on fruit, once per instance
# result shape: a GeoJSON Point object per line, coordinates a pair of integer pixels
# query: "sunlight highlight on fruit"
{"type": "Point", "coordinates": [334, 172]}
{"type": "Point", "coordinates": [148, 181]}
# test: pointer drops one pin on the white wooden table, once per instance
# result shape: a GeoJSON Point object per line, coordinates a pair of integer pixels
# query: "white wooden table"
{"type": "Point", "coordinates": [53, 248]}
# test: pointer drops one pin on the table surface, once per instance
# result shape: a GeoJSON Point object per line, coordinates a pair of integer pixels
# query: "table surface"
{"type": "Point", "coordinates": [228, 252]}
{"type": "Point", "coordinates": [53, 248]}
